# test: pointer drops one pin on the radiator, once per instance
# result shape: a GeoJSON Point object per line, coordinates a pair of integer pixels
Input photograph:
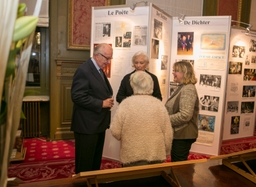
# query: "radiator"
{"type": "Point", "coordinates": [31, 125]}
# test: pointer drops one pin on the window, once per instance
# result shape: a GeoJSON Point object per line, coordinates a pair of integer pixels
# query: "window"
{"type": "Point", "coordinates": [38, 68]}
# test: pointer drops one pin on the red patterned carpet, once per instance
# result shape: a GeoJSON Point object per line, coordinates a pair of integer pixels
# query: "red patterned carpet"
{"type": "Point", "coordinates": [232, 146]}
{"type": "Point", "coordinates": [47, 160]}
{"type": "Point", "coordinates": [42, 150]}
{"type": "Point", "coordinates": [48, 170]}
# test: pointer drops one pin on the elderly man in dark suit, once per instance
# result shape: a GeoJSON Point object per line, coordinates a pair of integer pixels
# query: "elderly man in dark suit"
{"type": "Point", "coordinates": [91, 94]}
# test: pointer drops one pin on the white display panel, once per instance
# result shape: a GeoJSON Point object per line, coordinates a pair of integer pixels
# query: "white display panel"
{"type": "Point", "coordinates": [239, 114]}
{"type": "Point", "coordinates": [209, 55]}
{"type": "Point", "coordinates": [160, 45]}
{"type": "Point", "coordinates": [150, 29]}
{"type": "Point", "coordinates": [136, 31]}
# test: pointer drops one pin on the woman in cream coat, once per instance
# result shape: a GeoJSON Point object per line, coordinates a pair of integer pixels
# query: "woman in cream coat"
{"type": "Point", "coordinates": [142, 125]}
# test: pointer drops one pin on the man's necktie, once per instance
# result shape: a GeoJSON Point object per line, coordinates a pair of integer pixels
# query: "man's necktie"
{"type": "Point", "coordinates": [101, 73]}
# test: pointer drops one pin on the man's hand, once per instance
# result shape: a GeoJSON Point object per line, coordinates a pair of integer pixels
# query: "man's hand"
{"type": "Point", "coordinates": [108, 103]}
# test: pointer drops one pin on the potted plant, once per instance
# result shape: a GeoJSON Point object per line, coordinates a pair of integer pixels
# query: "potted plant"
{"type": "Point", "coordinates": [16, 39]}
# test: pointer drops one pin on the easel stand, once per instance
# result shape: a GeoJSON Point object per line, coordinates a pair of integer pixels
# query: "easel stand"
{"type": "Point", "coordinates": [135, 172]}
{"type": "Point", "coordinates": [242, 157]}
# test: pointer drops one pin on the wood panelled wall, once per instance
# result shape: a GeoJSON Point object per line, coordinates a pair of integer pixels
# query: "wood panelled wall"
{"type": "Point", "coordinates": [64, 73]}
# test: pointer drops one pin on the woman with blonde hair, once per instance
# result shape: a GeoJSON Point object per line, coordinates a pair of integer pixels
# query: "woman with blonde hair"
{"type": "Point", "coordinates": [183, 110]}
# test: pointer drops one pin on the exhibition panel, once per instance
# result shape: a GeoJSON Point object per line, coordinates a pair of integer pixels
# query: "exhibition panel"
{"type": "Point", "coordinates": [204, 42]}
{"type": "Point", "coordinates": [239, 120]}
{"type": "Point", "coordinates": [207, 42]}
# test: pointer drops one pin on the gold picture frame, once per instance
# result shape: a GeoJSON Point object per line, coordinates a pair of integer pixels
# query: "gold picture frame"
{"type": "Point", "coordinates": [79, 23]}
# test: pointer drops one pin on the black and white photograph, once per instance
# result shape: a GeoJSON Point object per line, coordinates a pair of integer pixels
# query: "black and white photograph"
{"type": "Point", "coordinates": [154, 48]}
{"type": "Point", "coordinates": [235, 125]}
{"type": "Point", "coordinates": [253, 45]}
{"type": "Point", "coordinates": [247, 122]}
{"type": "Point", "coordinates": [209, 103]}
{"type": "Point", "coordinates": [140, 35]}
{"type": "Point", "coordinates": [102, 31]}
{"type": "Point", "coordinates": [127, 39]}
{"type": "Point", "coordinates": [158, 29]}
{"type": "Point", "coordinates": [253, 59]}
{"type": "Point", "coordinates": [213, 81]}
{"type": "Point", "coordinates": [247, 107]}
{"type": "Point", "coordinates": [118, 41]}
{"type": "Point", "coordinates": [106, 30]}
{"type": "Point", "coordinates": [247, 60]}
{"type": "Point", "coordinates": [235, 67]}
{"type": "Point", "coordinates": [232, 106]}
{"type": "Point", "coordinates": [238, 51]}
{"type": "Point", "coordinates": [164, 62]}
{"type": "Point", "coordinates": [248, 91]}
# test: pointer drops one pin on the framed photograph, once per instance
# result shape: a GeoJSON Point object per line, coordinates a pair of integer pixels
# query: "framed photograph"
{"type": "Point", "coordinates": [185, 43]}
{"type": "Point", "coordinates": [206, 123]}
{"type": "Point", "coordinates": [235, 125]}
{"type": "Point", "coordinates": [235, 67]}
{"type": "Point", "coordinates": [249, 91]}
{"type": "Point", "coordinates": [238, 51]}
{"type": "Point", "coordinates": [249, 74]}
{"type": "Point", "coordinates": [79, 23]}
{"type": "Point", "coordinates": [213, 81]}
{"type": "Point", "coordinates": [155, 49]}
{"type": "Point", "coordinates": [209, 103]}
{"type": "Point", "coordinates": [158, 29]}
{"type": "Point", "coordinates": [247, 107]}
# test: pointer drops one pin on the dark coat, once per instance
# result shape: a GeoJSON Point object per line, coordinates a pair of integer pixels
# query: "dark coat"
{"type": "Point", "coordinates": [88, 92]}
{"type": "Point", "coordinates": [125, 89]}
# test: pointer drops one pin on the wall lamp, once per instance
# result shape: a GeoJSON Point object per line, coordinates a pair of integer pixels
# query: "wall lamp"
{"type": "Point", "coordinates": [247, 29]}
{"type": "Point", "coordinates": [181, 18]}
{"type": "Point", "coordinates": [135, 4]}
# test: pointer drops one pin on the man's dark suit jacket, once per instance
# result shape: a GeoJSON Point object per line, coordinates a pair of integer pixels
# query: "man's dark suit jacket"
{"type": "Point", "coordinates": [88, 92]}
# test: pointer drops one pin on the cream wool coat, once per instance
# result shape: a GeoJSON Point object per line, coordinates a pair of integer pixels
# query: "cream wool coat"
{"type": "Point", "coordinates": [142, 125]}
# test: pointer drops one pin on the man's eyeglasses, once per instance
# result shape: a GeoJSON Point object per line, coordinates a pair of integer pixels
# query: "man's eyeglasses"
{"type": "Point", "coordinates": [107, 58]}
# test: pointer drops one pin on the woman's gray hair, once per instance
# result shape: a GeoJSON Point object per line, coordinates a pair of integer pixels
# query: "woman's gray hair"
{"type": "Point", "coordinates": [141, 83]}
{"type": "Point", "coordinates": [146, 58]}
